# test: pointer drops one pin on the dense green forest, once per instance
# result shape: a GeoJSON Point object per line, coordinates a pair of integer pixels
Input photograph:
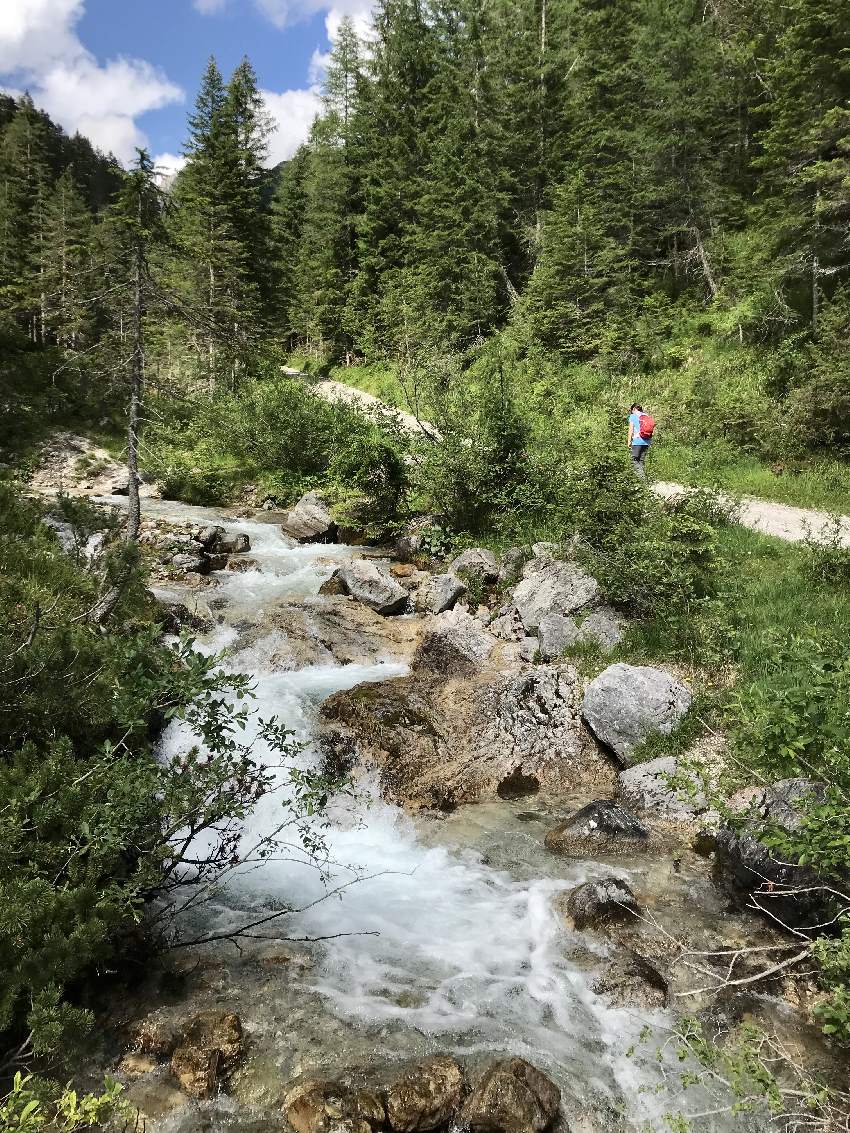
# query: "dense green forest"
{"type": "Point", "coordinates": [516, 219]}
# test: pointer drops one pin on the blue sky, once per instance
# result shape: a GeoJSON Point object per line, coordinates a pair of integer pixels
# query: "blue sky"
{"type": "Point", "coordinates": [125, 72]}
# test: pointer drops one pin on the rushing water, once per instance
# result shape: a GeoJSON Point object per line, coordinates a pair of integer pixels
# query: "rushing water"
{"type": "Point", "coordinates": [453, 939]}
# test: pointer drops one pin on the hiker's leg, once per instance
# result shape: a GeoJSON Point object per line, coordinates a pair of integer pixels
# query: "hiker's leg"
{"type": "Point", "coordinates": [638, 457]}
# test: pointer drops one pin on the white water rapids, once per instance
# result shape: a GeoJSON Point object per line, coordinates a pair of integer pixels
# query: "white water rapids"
{"type": "Point", "coordinates": [442, 943]}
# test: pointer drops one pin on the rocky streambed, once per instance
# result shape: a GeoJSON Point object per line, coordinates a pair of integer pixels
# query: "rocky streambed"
{"type": "Point", "coordinates": [507, 966]}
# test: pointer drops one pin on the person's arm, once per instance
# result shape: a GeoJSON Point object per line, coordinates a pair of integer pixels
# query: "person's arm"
{"type": "Point", "coordinates": [631, 432]}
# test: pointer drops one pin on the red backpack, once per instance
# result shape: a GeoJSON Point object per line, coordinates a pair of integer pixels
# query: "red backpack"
{"type": "Point", "coordinates": [646, 426]}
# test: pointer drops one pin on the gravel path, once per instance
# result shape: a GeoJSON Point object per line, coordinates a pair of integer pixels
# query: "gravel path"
{"type": "Point", "coordinates": [780, 520]}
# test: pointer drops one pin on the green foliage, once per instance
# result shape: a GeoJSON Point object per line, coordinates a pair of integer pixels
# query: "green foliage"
{"type": "Point", "coordinates": [25, 1109]}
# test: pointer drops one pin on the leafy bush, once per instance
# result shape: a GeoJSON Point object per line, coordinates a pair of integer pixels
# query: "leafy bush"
{"type": "Point", "coordinates": [25, 1109]}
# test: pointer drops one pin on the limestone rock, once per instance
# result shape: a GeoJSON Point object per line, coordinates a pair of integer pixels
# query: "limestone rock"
{"type": "Point", "coordinates": [441, 592]}
{"type": "Point", "coordinates": [209, 1047]}
{"type": "Point", "coordinates": [512, 1097]}
{"type": "Point", "coordinates": [442, 743]}
{"type": "Point", "coordinates": [454, 643]}
{"type": "Point", "coordinates": [556, 588]}
{"type": "Point", "coordinates": [209, 536]}
{"type": "Point", "coordinates": [426, 1096]}
{"type": "Point", "coordinates": [745, 866]}
{"type": "Point", "coordinates": [601, 827]}
{"type": "Point", "coordinates": [627, 703]}
{"type": "Point", "coordinates": [647, 787]}
{"type": "Point", "coordinates": [241, 566]}
{"type": "Point", "coordinates": [513, 560]}
{"type": "Point", "coordinates": [507, 624]}
{"type": "Point", "coordinates": [604, 626]}
{"type": "Point", "coordinates": [312, 1106]}
{"type": "Point", "coordinates": [236, 544]}
{"type": "Point", "coordinates": [556, 633]}
{"type": "Point", "coordinates": [190, 563]}
{"type": "Point", "coordinates": [372, 584]}
{"type": "Point", "coordinates": [630, 980]}
{"type": "Point", "coordinates": [601, 902]}
{"type": "Point", "coordinates": [310, 521]}
{"type": "Point", "coordinates": [476, 564]}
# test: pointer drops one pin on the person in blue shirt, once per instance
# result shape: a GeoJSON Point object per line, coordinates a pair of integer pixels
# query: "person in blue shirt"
{"type": "Point", "coordinates": [638, 446]}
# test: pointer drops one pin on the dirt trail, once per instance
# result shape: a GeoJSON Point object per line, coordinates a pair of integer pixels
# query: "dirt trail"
{"type": "Point", "coordinates": [780, 520]}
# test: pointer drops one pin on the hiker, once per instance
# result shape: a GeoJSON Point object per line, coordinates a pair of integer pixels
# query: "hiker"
{"type": "Point", "coordinates": [641, 428]}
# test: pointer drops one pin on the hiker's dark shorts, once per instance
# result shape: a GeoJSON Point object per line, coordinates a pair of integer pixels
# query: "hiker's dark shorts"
{"type": "Point", "coordinates": [638, 457]}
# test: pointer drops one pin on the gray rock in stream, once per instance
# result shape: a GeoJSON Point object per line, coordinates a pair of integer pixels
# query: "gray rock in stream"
{"type": "Point", "coordinates": [601, 902]}
{"type": "Point", "coordinates": [652, 787]}
{"type": "Point", "coordinates": [512, 1097]}
{"type": "Point", "coordinates": [310, 521]}
{"type": "Point", "coordinates": [441, 592]}
{"type": "Point", "coordinates": [627, 703]}
{"type": "Point", "coordinates": [602, 827]}
{"type": "Point", "coordinates": [455, 643]}
{"type": "Point", "coordinates": [372, 584]}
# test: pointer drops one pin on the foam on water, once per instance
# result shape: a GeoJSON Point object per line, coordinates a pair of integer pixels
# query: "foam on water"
{"type": "Point", "coordinates": [439, 941]}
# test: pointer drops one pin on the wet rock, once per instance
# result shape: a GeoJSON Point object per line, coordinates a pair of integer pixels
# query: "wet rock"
{"type": "Point", "coordinates": [236, 544]}
{"type": "Point", "coordinates": [157, 1036]}
{"type": "Point", "coordinates": [512, 1097]}
{"type": "Point", "coordinates": [518, 785]}
{"type": "Point", "coordinates": [746, 867]}
{"type": "Point", "coordinates": [602, 902]}
{"type": "Point", "coordinates": [370, 583]}
{"type": "Point", "coordinates": [120, 487]}
{"type": "Point", "coordinates": [513, 560]}
{"type": "Point", "coordinates": [310, 521]}
{"type": "Point", "coordinates": [440, 744]}
{"type": "Point", "coordinates": [477, 565]}
{"type": "Point", "coordinates": [631, 980]}
{"type": "Point", "coordinates": [441, 592]}
{"type": "Point", "coordinates": [217, 561]}
{"type": "Point", "coordinates": [454, 644]}
{"type": "Point", "coordinates": [313, 1106]}
{"type": "Point", "coordinates": [627, 703]}
{"type": "Point", "coordinates": [648, 787]}
{"type": "Point", "coordinates": [134, 1065]}
{"type": "Point", "coordinates": [426, 1096]}
{"type": "Point", "coordinates": [241, 566]}
{"type": "Point", "coordinates": [601, 827]}
{"type": "Point", "coordinates": [556, 633]}
{"type": "Point", "coordinates": [208, 1049]}
{"type": "Point", "coordinates": [554, 588]}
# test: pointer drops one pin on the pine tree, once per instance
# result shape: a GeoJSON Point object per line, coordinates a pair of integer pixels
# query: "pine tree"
{"type": "Point", "coordinates": [67, 267]}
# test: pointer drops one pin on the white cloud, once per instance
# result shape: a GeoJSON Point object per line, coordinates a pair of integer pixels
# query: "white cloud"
{"type": "Point", "coordinates": [210, 7]}
{"type": "Point", "coordinates": [282, 13]}
{"type": "Point", "coordinates": [40, 48]}
{"type": "Point", "coordinates": [293, 112]}
{"type": "Point", "coordinates": [168, 164]}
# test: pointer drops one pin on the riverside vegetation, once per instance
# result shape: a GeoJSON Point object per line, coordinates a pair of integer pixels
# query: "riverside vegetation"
{"type": "Point", "coordinates": [513, 222]}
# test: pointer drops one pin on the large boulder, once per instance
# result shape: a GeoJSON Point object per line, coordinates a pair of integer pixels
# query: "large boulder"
{"type": "Point", "coordinates": [603, 902]}
{"type": "Point", "coordinates": [556, 633]}
{"type": "Point", "coordinates": [426, 1096]}
{"type": "Point", "coordinates": [513, 561]}
{"type": "Point", "coordinates": [441, 592]}
{"type": "Point", "coordinates": [439, 743]}
{"type": "Point", "coordinates": [372, 584]}
{"type": "Point", "coordinates": [512, 1097]}
{"type": "Point", "coordinates": [627, 703]}
{"type": "Point", "coordinates": [792, 894]}
{"type": "Point", "coordinates": [602, 827]}
{"type": "Point", "coordinates": [476, 564]}
{"type": "Point", "coordinates": [310, 521]}
{"type": "Point", "coordinates": [455, 643]}
{"type": "Point", "coordinates": [553, 588]}
{"type": "Point", "coordinates": [236, 544]}
{"type": "Point", "coordinates": [661, 787]}
{"type": "Point", "coordinates": [603, 626]}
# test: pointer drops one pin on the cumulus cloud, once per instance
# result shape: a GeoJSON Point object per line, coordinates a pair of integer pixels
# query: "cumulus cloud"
{"type": "Point", "coordinates": [40, 49]}
{"type": "Point", "coordinates": [282, 13]}
{"type": "Point", "coordinates": [168, 164]}
{"type": "Point", "coordinates": [293, 112]}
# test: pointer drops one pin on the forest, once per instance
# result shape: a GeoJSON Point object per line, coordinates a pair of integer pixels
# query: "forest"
{"type": "Point", "coordinates": [511, 220]}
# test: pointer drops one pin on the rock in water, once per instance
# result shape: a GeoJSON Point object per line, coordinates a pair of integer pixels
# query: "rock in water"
{"type": "Point", "coordinates": [441, 592]}
{"type": "Point", "coordinates": [454, 644]}
{"type": "Point", "coordinates": [439, 743]}
{"type": "Point", "coordinates": [236, 544]}
{"type": "Point", "coordinates": [601, 902]}
{"type": "Point", "coordinates": [648, 787]}
{"type": "Point", "coordinates": [793, 894]}
{"type": "Point", "coordinates": [554, 588]}
{"type": "Point", "coordinates": [208, 1048]}
{"type": "Point", "coordinates": [627, 703]}
{"type": "Point", "coordinates": [369, 583]}
{"type": "Point", "coordinates": [632, 981]}
{"type": "Point", "coordinates": [426, 1096]}
{"type": "Point", "coordinates": [512, 1097]}
{"type": "Point", "coordinates": [314, 1106]}
{"type": "Point", "coordinates": [476, 564]}
{"type": "Point", "coordinates": [310, 521]}
{"type": "Point", "coordinates": [601, 827]}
